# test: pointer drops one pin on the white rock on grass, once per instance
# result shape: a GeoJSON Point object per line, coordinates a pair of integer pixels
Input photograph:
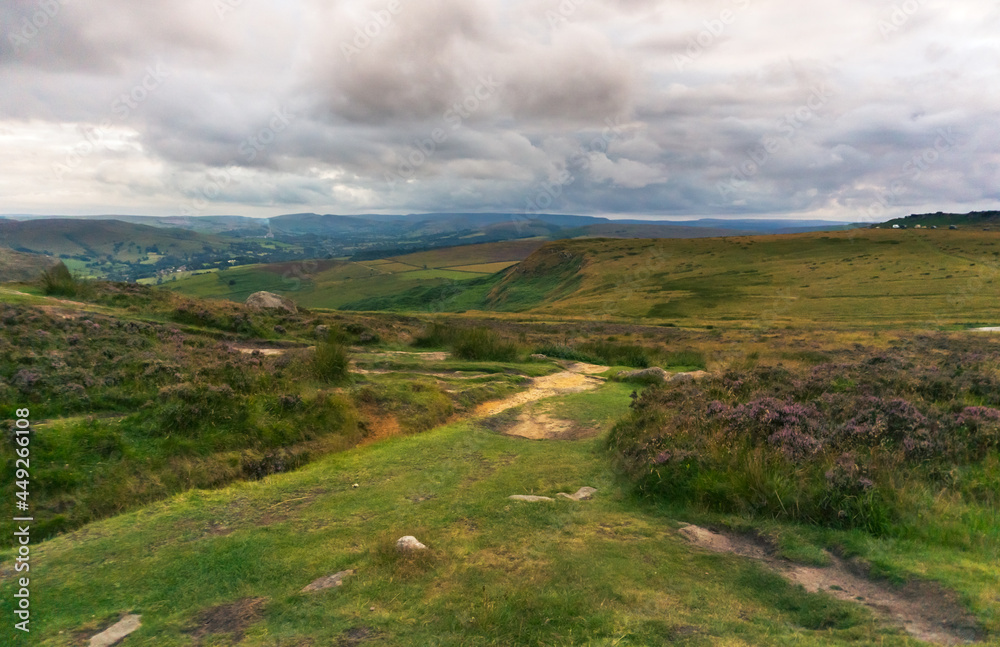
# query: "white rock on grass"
{"type": "Point", "coordinates": [117, 631]}
{"type": "Point", "coordinates": [530, 498]}
{"type": "Point", "coordinates": [584, 493]}
{"type": "Point", "coordinates": [327, 582]}
{"type": "Point", "coordinates": [409, 543]}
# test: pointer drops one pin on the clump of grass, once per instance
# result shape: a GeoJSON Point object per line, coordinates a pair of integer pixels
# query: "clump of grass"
{"type": "Point", "coordinates": [436, 335]}
{"type": "Point", "coordinates": [330, 360]}
{"type": "Point", "coordinates": [483, 344]}
{"type": "Point", "coordinates": [560, 351]}
{"type": "Point", "coordinates": [687, 359]}
{"type": "Point", "coordinates": [59, 281]}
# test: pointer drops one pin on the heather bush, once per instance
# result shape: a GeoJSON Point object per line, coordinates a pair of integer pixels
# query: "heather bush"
{"type": "Point", "coordinates": [833, 444]}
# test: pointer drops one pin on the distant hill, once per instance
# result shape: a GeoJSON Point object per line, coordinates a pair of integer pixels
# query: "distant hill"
{"type": "Point", "coordinates": [18, 266]}
{"type": "Point", "coordinates": [73, 237]}
{"type": "Point", "coordinates": [941, 219]}
{"type": "Point", "coordinates": [124, 251]}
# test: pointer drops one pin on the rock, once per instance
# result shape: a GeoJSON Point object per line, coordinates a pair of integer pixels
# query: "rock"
{"type": "Point", "coordinates": [259, 301]}
{"type": "Point", "coordinates": [693, 375]}
{"type": "Point", "coordinates": [653, 374]}
{"type": "Point", "coordinates": [539, 356]}
{"type": "Point", "coordinates": [355, 486]}
{"type": "Point", "coordinates": [584, 493]}
{"type": "Point", "coordinates": [117, 631]}
{"type": "Point", "coordinates": [530, 498]}
{"type": "Point", "coordinates": [327, 582]}
{"type": "Point", "coordinates": [409, 543]}
{"type": "Point", "coordinates": [322, 332]}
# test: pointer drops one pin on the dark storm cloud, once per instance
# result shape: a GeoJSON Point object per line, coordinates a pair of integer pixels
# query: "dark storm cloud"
{"type": "Point", "coordinates": [626, 106]}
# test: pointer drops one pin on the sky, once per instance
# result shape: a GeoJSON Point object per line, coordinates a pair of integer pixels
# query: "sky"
{"type": "Point", "coordinates": [856, 110]}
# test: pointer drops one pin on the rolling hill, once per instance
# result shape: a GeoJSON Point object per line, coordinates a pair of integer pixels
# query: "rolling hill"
{"type": "Point", "coordinates": [333, 283]}
{"type": "Point", "coordinates": [123, 250]}
{"type": "Point", "coordinates": [19, 266]}
{"type": "Point", "coordinates": [859, 277]}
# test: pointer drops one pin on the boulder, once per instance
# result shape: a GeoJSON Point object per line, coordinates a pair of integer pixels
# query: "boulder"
{"type": "Point", "coordinates": [530, 498]}
{"type": "Point", "coordinates": [539, 357]}
{"type": "Point", "coordinates": [259, 301]}
{"type": "Point", "coordinates": [582, 494]}
{"type": "Point", "coordinates": [322, 332]}
{"type": "Point", "coordinates": [408, 544]}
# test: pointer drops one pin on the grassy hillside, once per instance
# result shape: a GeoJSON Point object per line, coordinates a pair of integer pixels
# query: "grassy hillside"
{"type": "Point", "coordinates": [203, 485]}
{"type": "Point", "coordinates": [857, 278]}
{"type": "Point", "coordinates": [123, 250]}
{"type": "Point", "coordinates": [334, 283]}
{"type": "Point", "coordinates": [21, 266]}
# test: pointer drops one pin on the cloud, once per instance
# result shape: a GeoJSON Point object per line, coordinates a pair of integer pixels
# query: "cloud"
{"type": "Point", "coordinates": [652, 107]}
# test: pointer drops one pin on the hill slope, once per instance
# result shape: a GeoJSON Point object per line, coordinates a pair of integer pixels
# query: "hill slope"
{"type": "Point", "coordinates": [853, 278]}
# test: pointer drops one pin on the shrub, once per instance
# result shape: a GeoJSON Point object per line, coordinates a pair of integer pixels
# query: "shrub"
{"type": "Point", "coordinates": [330, 360]}
{"type": "Point", "coordinates": [436, 335]}
{"type": "Point", "coordinates": [483, 344]}
{"type": "Point", "coordinates": [58, 281]}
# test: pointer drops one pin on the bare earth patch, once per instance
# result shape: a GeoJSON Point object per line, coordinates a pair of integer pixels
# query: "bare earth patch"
{"type": "Point", "coordinates": [925, 610]}
{"type": "Point", "coordinates": [232, 618]}
{"type": "Point", "coordinates": [576, 378]}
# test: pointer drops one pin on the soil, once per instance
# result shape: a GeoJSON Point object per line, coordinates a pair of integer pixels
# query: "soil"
{"type": "Point", "coordinates": [923, 609]}
{"type": "Point", "coordinates": [232, 618]}
{"type": "Point", "coordinates": [576, 378]}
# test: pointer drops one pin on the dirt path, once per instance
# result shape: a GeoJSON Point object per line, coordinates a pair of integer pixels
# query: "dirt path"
{"type": "Point", "coordinates": [925, 610]}
{"type": "Point", "coordinates": [577, 377]}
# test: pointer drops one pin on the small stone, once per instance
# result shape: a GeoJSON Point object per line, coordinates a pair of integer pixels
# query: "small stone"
{"type": "Point", "coordinates": [409, 543]}
{"type": "Point", "coordinates": [322, 332]}
{"type": "Point", "coordinates": [355, 485]}
{"type": "Point", "coordinates": [539, 356]}
{"type": "Point", "coordinates": [530, 498]}
{"type": "Point", "coordinates": [117, 631]}
{"type": "Point", "coordinates": [327, 582]}
{"type": "Point", "coordinates": [584, 493]}
{"type": "Point", "coordinates": [371, 608]}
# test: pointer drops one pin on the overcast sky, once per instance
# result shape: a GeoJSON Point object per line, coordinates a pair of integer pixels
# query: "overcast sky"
{"type": "Point", "coordinates": [849, 110]}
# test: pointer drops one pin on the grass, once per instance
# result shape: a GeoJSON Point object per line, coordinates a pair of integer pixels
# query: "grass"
{"type": "Point", "coordinates": [609, 571]}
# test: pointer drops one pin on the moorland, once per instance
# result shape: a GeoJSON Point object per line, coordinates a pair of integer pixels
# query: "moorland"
{"type": "Point", "coordinates": [818, 464]}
